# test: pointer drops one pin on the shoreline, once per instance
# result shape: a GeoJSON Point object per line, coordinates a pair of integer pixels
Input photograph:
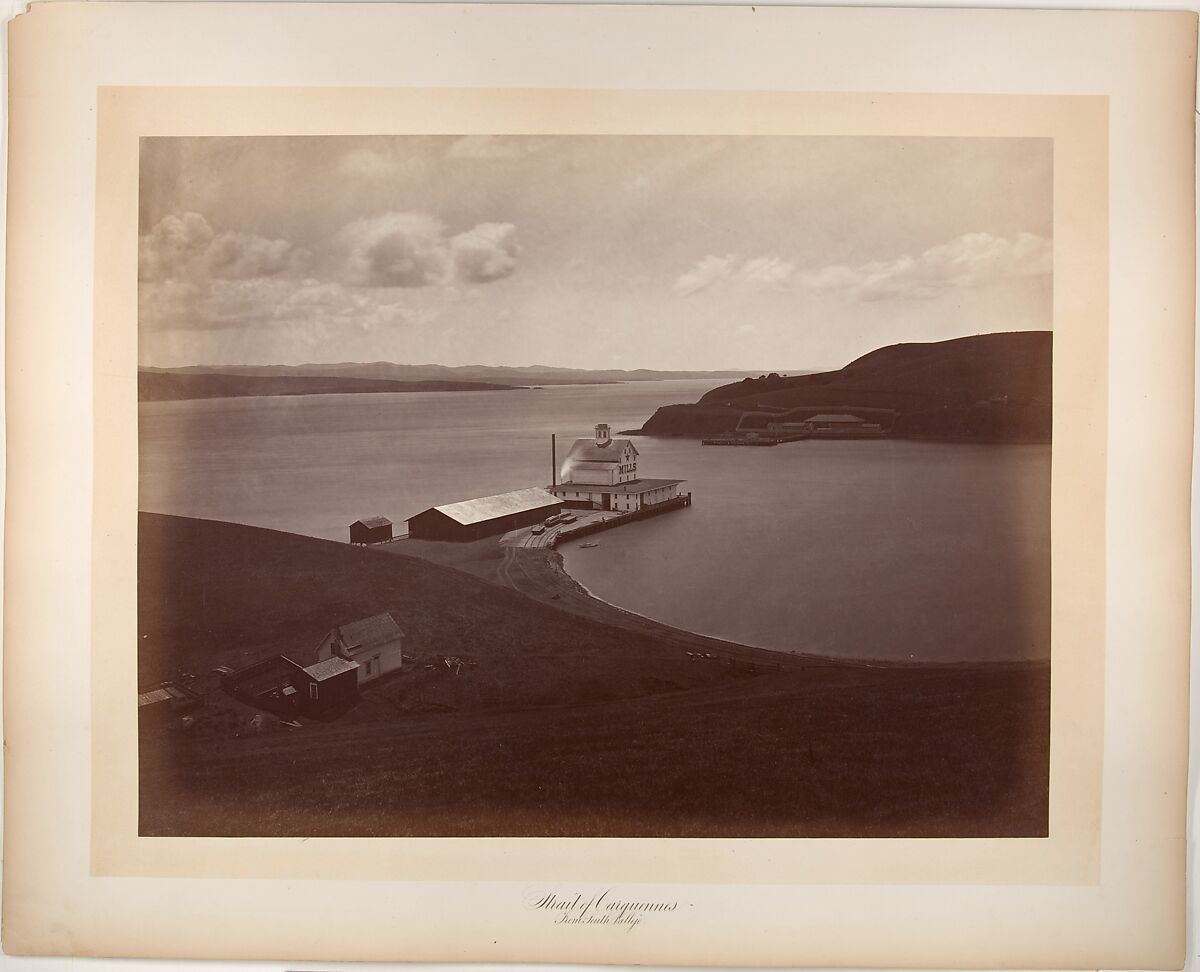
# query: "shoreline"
{"type": "Point", "coordinates": [540, 574]}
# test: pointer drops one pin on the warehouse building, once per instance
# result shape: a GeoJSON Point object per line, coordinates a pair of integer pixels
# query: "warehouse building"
{"type": "Point", "coordinates": [487, 516]}
{"type": "Point", "coordinates": [835, 426]}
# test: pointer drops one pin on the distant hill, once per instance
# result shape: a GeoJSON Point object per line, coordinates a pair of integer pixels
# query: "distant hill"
{"type": "Point", "coordinates": [387, 370]}
{"type": "Point", "coordinates": [988, 387]}
{"type": "Point", "coordinates": [158, 386]}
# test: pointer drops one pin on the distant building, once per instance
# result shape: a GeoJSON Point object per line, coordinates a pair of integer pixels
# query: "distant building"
{"type": "Point", "coordinates": [843, 425]}
{"type": "Point", "coordinates": [328, 686]}
{"type": "Point", "coordinates": [601, 473]}
{"type": "Point", "coordinates": [372, 529]}
{"type": "Point", "coordinates": [373, 644]}
{"type": "Point", "coordinates": [487, 516]}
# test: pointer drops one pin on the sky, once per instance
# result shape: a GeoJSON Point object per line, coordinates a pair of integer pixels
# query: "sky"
{"type": "Point", "coordinates": [606, 251]}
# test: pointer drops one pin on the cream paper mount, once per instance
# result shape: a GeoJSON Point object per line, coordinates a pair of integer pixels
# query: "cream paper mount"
{"type": "Point", "coordinates": [1114, 94]}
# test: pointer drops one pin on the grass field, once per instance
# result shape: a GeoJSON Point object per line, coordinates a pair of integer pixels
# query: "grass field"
{"type": "Point", "coordinates": [565, 719]}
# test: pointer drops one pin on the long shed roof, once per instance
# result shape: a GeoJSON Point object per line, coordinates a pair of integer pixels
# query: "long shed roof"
{"type": "Point", "coordinates": [834, 418]}
{"type": "Point", "coordinates": [502, 504]}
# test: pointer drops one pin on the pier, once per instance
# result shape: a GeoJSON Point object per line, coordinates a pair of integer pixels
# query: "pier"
{"type": "Point", "coordinates": [608, 523]}
{"type": "Point", "coordinates": [753, 440]}
{"type": "Point", "coordinates": [740, 440]}
{"type": "Point", "coordinates": [589, 522]}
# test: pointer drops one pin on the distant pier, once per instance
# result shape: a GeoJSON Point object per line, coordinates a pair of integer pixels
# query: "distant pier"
{"type": "Point", "coordinates": [740, 440]}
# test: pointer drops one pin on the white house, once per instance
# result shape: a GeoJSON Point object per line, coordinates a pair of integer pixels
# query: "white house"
{"type": "Point", "coordinates": [374, 643]}
{"type": "Point", "coordinates": [601, 473]}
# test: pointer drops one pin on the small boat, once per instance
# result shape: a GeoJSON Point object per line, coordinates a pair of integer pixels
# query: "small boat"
{"type": "Point", "coordinates": [589, 545]}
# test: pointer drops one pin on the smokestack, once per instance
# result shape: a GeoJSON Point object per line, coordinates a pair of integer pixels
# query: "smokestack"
{"type": "Point", "coordinates": [553, 463]}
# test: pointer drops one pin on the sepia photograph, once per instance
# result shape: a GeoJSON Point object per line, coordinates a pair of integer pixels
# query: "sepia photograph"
{"type": "Point", "coordinates": [594, 485]}
{"type": "Point", "coordinates": [599, 484]}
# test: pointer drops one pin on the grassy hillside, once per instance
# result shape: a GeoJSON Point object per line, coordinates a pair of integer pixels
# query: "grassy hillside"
{"type": "Point", "coordinates": [158, 386]}
{"type": "Point", "coordinates": [989, 387]}
{"type": "Point", "coordinates": [214, 593]}
{"type": "Point", "coordinates": [556, 724]}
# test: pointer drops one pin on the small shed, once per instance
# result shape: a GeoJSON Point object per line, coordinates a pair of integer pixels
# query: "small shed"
{"type": "Point", "coordinates": [326, 688]}
{"type": "Point", "coordinates": [371, 529]}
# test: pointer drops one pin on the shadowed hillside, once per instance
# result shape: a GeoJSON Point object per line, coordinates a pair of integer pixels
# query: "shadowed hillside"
{"type": "Point", "coordinates": [989, 387]}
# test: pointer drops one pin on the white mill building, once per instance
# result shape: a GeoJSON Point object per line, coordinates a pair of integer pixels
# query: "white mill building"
{"type": "Point", "coordinates": [601, 473]}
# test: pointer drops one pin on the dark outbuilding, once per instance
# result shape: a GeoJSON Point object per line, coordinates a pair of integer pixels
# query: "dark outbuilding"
{"type": "Point", "coordinates": [327, 688]}
{"type": "Point", "coordinates": [371, 529]}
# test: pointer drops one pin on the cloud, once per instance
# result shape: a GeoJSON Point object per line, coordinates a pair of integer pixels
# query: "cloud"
{"type": "Point", "coordinates": [487, 252]}
{"type": "Point", "coordinates": [704, 274]}
{"type": "Point", "coordinates": [395, 250]}
{"type": "Point", "coordinates": [755, 274]}
{"type": "Point", "coordinates": [969, 261]}
{"type": "Point", "coordinates": [397, 271]}
{"type": "Point", "coordinates": [414, 250]}
{"type": "Point", "coordinates": [767, 271]}
{"type": "Point", "coordinates": [238, 256]}
{"type": "Point", "coordinates": [309, 307]}
{"type": "Point", "coordinates": [175, 243]}
{"type": "Point", "coordinates": [185, 247]}
{"type": "Point", "coordinates": [336, 307]}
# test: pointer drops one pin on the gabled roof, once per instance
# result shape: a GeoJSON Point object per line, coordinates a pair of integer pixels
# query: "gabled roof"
{"type": "Point", "coordinates": [375, 630]}
{"type": "Point", "coordinates": [833, 418]}
{"type": "Point", "coordinates": [330, 668]}
{"type": "Point", "coordinates": [586, 450]}
{"type": "Point", "coordinates": [502, 504]}
{"type": "Point", "coordinates": [372, 522]}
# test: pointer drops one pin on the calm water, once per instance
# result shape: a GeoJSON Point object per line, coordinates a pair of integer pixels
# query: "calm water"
{"type": "Point", "coordinates": [884, 549]}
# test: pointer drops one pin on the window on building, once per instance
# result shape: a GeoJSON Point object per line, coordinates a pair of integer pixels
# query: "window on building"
{"type": "Point", "coordinates": [312, 690]}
